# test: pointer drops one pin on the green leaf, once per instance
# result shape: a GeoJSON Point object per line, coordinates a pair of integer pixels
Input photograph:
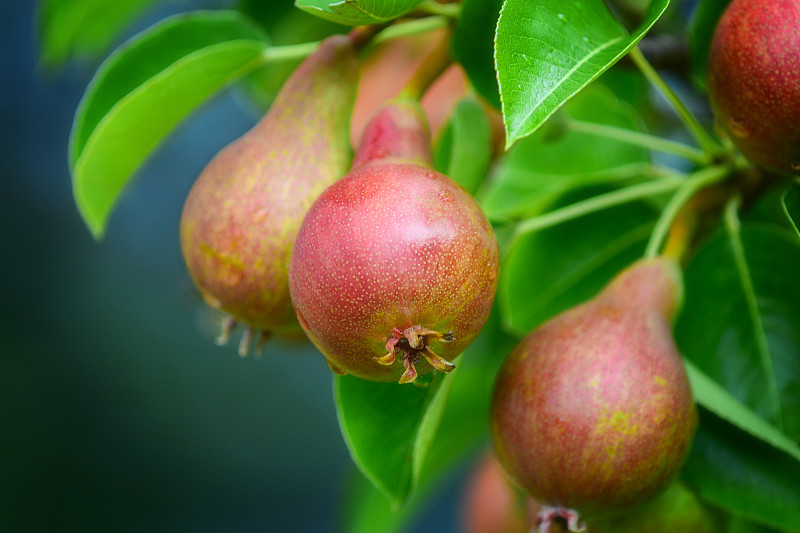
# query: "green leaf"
{"type": "Point", "coordinates": [746, 476]}
{"type": "Point", "coordinates": [473, 41]}
{"type": "Point", "coordinates": [542, 167]}
{"type": "Point", "coordinates": [791, 206]}
{"type": "Point", "coordinates": [143, 91]}
{"type": "Point", "coordinates": [741, 322]}
{"type": "Point", "coordinates": [463, 431]}
{"type": "Point", "coordinates": [713, 397]}
{"type": "Point", "coordinates": [69, 28]}
{"type": "Point", "coordinates": [388, 428]}
{"type": "Point", "coordinates": [739, 525]}
{"type": "Point", "coordinates": [547, 51]}
{"type": "Point", "coordinates": [358, 12]}
{"type": "Point", "coordinates": [701, 32]}
{"type": "Point", "coordinates": [559, 267]}
{"type": "Point", "coordinates": [464, 149]}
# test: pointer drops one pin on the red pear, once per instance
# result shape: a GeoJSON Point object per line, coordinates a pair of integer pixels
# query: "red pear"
{"type": "Point", "coordinates": [754, 81]}
{"type": "Point", "coordinates": [395, 266]}
{"type": "Point", "coordinates": [243, 212]}
{"type": "Point", "coordinates": [592, 412]}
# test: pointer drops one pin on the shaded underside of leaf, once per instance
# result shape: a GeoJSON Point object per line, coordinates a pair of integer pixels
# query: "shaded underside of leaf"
{"type": "Point", "coordinates": [143, 91]}
{"type": "Point", "coordinates": [473, 41]}
{"type": "Point", "coordinates": [357, 12]}
{"type": "Point", "coordinates": [547, 51]}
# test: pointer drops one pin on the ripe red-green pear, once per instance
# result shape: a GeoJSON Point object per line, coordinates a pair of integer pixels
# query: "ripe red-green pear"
{"type": "Point", "coordinates": [592, 412]}
{"type": "Point", "coordinates": [394, 269]}
{"type": "Point", "coordinates": [754, 81]}
{"type": "Point", "coordinates": [243, 212]}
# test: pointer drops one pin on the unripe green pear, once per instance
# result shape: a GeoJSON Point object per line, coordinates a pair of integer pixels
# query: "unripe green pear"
{"type": "Point", "coordinates": [243, 212]}
{"type": "Point", "coordinates": [592, 412]}
{"type": "Point", "coordinates": [395, 266]}
{"type": "Point", "coordinates": [754, 81]}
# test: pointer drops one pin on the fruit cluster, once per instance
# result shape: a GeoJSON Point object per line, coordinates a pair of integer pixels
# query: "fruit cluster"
{"type": "Point", "coordinates": [390, 268]}
{"type": "Point", "coordinates": [393, 267]}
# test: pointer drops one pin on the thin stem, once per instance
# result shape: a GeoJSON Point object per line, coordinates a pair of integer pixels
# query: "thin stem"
{"type": "Point", "coordinates": [733, 228]}
{"type": "Point", "coordinates": [699, 180]}
{"type": "Point", "coordinates": [681, 234]}
{"type": "Point", "coordinates": [445, 10]}
{"type": "Point", "coordinates": [412, 27]}
{"type": "Point", "coordinates": [640, 139]}
{"type": "Point", "coordinates": [700, 134]}
{"type": "Point", "coordinates": [294, 52]}
{"type": "Point", "coordinates": [291, 52]}
{"type": "Point", "coordinates": [597, 203]}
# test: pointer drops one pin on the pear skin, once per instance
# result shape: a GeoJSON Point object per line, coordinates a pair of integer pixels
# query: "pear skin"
{"type": "Point", "coordinates": [243, 212]}
{"type": "Point", "coordinates": [592, 412]}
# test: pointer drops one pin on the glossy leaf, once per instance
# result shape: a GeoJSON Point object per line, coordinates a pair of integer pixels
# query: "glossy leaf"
{"type": "Point", "coordinates": [358, 12]}
{"type": "Point", "coordinates": [388, 428]}
{"type": "Point", "coordinates": [744, 475]}
{"type": "Point", "coordinates": [464, 149]}
{"type": "Point", "coordinates": [553, 269]}
{"type": "Point", "coordinates": [473, 43]}
{"type": "Point", "coordinates": [713, 397]}
{"type": "Point", "coordinates": [547, 51]}
{"type": "Point", "coordinates": [701, 32]}
{"type": "Point", "coordinates": [542, 167]}
{"type": "Point", "coordinates": [143, 91]}
{"type": "Point", "coordinates": [791, 206]}
{"type": "Point", "coordinates": [462, 432]}
{"type": "Point", "coordinates": [741, 322]}
{"type": "Point", "coordinates": [70, 28]}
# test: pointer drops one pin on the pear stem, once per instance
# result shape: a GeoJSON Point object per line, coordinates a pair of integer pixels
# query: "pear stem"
{"type": "Point", "coordinates": [434, 64]}
{"type": "Point", "coordinates": [640, 139]}
{"type": "Point", "coordinates": [361, 35]}
{"type": "Point", "coordinates": [684, 227]}
{"type": "Point", "coordinates": [435, 8]}
{"type": "Point", "coordinates": [700, 134]}
{"type": "Point", "coordinates": [294, 52]}
{"type": "Point", "coordinates": [596, 203]}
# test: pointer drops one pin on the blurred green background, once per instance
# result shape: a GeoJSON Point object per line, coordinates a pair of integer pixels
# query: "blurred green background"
{"type": "Point", "coordinates": [119, 412]}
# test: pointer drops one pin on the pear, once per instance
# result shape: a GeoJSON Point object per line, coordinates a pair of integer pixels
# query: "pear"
{"type": "Point", "coordinates": [243, 212]}
{"type": "Point", "coordinates": [394, 270]}
{"type": "Point", "coordinates": [592, 412]}
{"type": "Point", "coordinates": [754, 81]}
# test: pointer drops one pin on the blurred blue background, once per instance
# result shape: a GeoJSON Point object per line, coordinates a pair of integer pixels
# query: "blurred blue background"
{"type": "Point", "coordinates": [119, 412]}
